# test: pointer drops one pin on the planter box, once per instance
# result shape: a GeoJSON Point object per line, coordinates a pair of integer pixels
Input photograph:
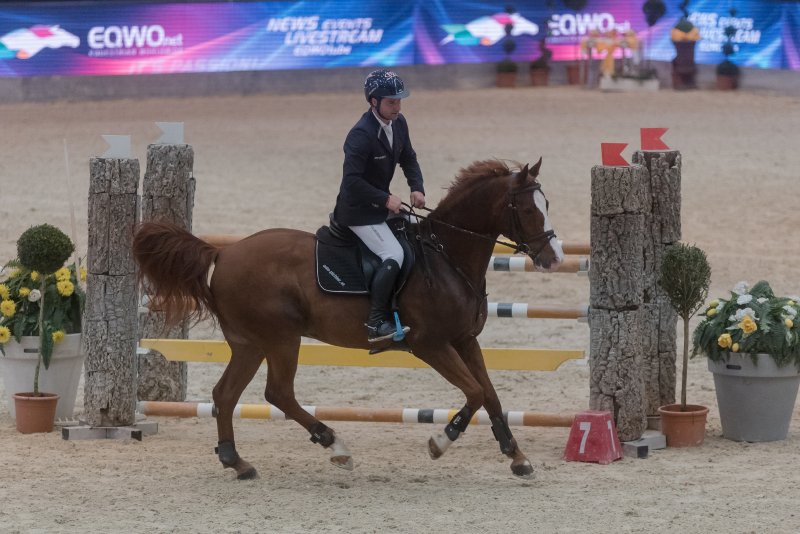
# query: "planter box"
{"type": "Point", "coordinates": [62, 378]}
{"type": "Point", "coordinates": [755, 400]}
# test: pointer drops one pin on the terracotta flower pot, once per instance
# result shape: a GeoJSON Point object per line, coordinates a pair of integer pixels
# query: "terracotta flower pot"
{"type": "Point", "coordinates": [540, 77]}
{"type": "Point", "coordinates": [683, 428]}
{"type": "Point", "coordinates": [506, 79]}
{"type": "Point", "coordinates": [35, 414]}
{"type": "Point", "coordinates": [727, 83]}
{"type": "Point", "coordinates": [574, 74]}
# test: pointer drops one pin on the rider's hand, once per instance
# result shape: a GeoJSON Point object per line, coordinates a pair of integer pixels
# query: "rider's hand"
{"type": "Point", "coordinates": [417, 199]}
{"type": "Point", "coordinates": [393, 204]}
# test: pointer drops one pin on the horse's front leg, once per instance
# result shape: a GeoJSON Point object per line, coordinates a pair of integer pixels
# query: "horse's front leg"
{"type": "Point", "coordinates": [446, 361]}
{"type": "Point", "coordinates": [245, 361]}
{"type": "Point", "coordinates": [472, 355]}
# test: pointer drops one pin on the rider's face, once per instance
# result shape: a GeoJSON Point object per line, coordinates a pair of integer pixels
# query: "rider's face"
{"type": "Point", "coordinates": [389, 108]}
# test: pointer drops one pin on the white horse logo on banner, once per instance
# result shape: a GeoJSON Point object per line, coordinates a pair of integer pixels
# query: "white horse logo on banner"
{"type": "Point", "coordinates": [24, 43]}
{"type": "Point", "coordinates": [487, 31]}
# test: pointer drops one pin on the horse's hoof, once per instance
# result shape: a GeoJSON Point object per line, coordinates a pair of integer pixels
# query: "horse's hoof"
{"type": "Point", "coordinates": [438, 445]}
{"type": "Point", "coordinates": [247, 474]}
{"type": "Point", "coordinates": [434, 449]}
{"type": "Point", "coordinates": [523, 470]}
{"type": "Point", "coordinates": [343, 462]}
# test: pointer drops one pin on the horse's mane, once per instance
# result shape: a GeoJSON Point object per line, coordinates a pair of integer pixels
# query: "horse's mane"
{"type": "Point", "coordinates": [475, 173]}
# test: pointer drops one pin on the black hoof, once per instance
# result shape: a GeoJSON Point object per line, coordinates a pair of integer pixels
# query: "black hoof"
{"type": "Point", "coordinates": [523, 470]}
{"type": "Point", "coordinates": [250, 474]}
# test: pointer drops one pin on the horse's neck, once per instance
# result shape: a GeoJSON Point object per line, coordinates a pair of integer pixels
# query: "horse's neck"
{"type": "Point", "coordinates": [468, 252]}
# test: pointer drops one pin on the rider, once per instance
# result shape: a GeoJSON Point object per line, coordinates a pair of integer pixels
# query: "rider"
{"type": "Point", "coordinates": [372, 150]}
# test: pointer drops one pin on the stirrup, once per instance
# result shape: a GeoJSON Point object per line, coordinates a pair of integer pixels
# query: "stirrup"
{"type": "Point", "coordinates": [383, 331]}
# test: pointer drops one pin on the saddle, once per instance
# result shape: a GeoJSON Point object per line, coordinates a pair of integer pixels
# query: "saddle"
{"type": "Point", "coordinates": [344, 265]}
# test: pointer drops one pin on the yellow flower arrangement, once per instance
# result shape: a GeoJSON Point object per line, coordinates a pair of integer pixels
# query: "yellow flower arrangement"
{"type": "Point", "coordinates": [65, 288]}
{"type": "Point", "coordinates": [63, 274]}
{"type": "Point", "coordinates": [4, 292]}
{"type": "Point", "coordinates": [725, 341]}
{"type": "Point", "coordinates": [44, 296]}
{"type": "Point", "coordinates": [19, 311]}
{"type": "Point", "coordinates": [8, 308]}
{"type": "Point", "coordinates": [753, 320]}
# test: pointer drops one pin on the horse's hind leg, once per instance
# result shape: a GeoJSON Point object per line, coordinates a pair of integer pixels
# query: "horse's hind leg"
{"type": "Point", "coordinates": [245, 361]}
{"type": "Point", "coordinates": [470, 352]}
{"type": "Point", "coordinates": [282, 367]}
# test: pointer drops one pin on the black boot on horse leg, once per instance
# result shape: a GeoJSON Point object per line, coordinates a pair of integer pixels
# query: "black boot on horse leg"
{"type": "Point", "coordinates": [380, 324]}
{"type": "Point", "coordinates": [226, 451]}
{"type": "Point", "coordinates": [438, 444]}
{"type": "Point", "coordinates": [520, 465]}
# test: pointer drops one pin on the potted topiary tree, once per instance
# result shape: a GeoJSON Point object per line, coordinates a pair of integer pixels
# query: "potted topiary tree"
{"type": "Point", "coordinates": [41, 303]}
{"type": "Point", "coordinates": [540, 67]}
{"type": "Point", "coordinates": [685, 276]}
{"type": "Point", "coordinates": [728, 72]}
{"type": "Point", "coordinates": [574, 71]}
{"type": "Point", "coordinates": [507, 68]}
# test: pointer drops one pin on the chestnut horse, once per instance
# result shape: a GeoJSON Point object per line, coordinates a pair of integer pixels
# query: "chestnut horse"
{"type": "Point", "coordinates": [264, 294]}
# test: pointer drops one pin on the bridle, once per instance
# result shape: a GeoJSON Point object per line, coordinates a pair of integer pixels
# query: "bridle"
{"type": "Point", "coordinates": [521, 244]}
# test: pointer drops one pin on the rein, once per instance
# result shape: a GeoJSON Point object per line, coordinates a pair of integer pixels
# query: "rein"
{"type": "Point", "coordinates": [516, 224]}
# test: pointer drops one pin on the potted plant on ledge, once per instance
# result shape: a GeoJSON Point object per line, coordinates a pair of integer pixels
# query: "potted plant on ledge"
{"type": "Point", "coordinates": [752, 341]}
{"type": "Point", "coordinates": [685, 276]}
{"type": "Point", "coordinates": [506, 73]}
{"type": "Point", "coordinates": [540, 67]}
{"type": "Point", "coordinates": [728, 72]}
{"type": "Point", "coordinates": [41, 304]}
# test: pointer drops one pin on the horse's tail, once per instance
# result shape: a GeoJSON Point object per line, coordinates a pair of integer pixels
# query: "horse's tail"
{"type": "Point", "coordinates": [173, 269]}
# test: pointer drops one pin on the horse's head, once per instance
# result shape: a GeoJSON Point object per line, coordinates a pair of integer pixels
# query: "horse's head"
{"type": "Point", "coordinates": [529, 225]}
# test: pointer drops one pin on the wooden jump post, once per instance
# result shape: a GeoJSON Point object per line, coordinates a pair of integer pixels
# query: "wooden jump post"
{"type": "Point", "coordinates": [362, 415]}
{"type": "Point", "coordinates": [635, 216]}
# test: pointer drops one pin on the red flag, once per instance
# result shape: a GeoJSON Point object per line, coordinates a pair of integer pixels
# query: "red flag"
{"type": "Point", "coordinates": [651, 139]}
{"type": "Point", "coordinates": [612, 154]}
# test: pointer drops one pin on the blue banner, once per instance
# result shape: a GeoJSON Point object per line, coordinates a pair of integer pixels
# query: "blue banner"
{"type": "Point", "coordinates": [93, 38]}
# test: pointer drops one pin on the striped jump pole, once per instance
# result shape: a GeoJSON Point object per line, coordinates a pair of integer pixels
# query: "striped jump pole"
{"type": "Point", "coordinates": [569, 247]}
{"type": "Point", "coordinates": [571, 264]}
{"type": "Point", "coordinates": [350, 414]}
{"type": "Point", "coordinates": [521, 310]}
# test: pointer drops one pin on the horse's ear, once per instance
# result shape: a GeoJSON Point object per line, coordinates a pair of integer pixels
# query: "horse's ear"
{"type": "Point", "coordinates": [523, 174]}
{"type": "Point", "coordinates": [535, 169]}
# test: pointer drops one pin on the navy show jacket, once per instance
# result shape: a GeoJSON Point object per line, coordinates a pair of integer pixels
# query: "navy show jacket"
{"type": "Point", "coordinates": [369, 164]}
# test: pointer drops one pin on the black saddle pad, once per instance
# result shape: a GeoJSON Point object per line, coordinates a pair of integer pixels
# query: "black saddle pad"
{"type": "Point", "coordinates": [339, 265]}
{"type": "Point", "coordinates": [346, 265]}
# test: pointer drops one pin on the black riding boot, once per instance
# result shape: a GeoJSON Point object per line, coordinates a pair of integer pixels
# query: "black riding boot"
{"type": "Point", "coordinates": [379, 324]}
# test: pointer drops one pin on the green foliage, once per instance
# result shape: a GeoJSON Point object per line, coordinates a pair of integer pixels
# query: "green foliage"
{"type": "Point", "coordinates": [506, 65]}
{"type": "Point", "coordinates": [44, 248]}
{"type": "Point", "coordinates": [543, 61]}
{"type": "Point", "coordinates": [684, 25]}
{"type": "Point", "coordinates": [777, 325]}
{"type": "Point", "coordinates": [685, 276]}
{"type": "Point", "coordinates": [728, 68]}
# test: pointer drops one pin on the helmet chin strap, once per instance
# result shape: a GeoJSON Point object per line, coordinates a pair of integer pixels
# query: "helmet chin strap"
{"type": "Point", "coordinates": [378, 108]}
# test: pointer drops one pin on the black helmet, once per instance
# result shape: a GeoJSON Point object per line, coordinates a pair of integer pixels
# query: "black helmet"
{"type": "Point", "coordinates": [384, 83]}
